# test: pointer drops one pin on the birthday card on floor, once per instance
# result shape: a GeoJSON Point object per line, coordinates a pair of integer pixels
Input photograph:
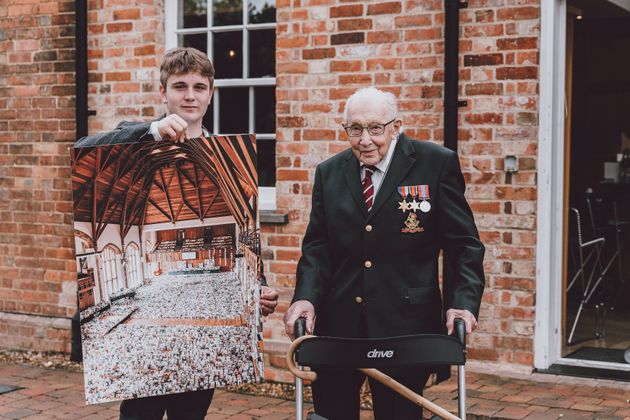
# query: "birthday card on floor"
{"type": "Point", "coordinates": [168, 263]}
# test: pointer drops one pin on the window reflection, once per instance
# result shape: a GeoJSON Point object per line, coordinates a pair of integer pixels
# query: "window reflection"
{"type": "Point", "coordinates": [199, 41]}
{"type": "Point", "coordinates": [234, 110]}
{"type": "Point", "coordinates": [228, 54]}
{"type": "Point", "coordinates": [262, 53]}
{"type": "Point", "coordinates": [227, 12]}
{"type": "Point", "coordinates": [194, 14]}
{"type": "Point", "coordinates": [261, 11]}
{"type": "Point", "coordinates": [265, 106]}
{"type": "Point", "coordinates": [266, 156]}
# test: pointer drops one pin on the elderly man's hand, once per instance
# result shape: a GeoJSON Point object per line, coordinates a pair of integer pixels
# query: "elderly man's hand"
{"type": "Point", "coordinates": [469, 319]}
{"type": "Point", "coordinates": [174, 127]}
{"type": "Point", "coordinates": [299, 309]}
{"type": "Point", "coordinates": [268, 300]}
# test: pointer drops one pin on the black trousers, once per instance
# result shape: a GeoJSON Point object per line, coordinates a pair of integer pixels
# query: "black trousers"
{"type": "Point", "coordinates": [336, 395]}
{"type": "Point", "coordinates": [184, 406]}
{"type": "Point", "coordinates": [336, 392]}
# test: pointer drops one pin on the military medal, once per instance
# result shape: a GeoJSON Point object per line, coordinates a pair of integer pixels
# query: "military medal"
{"type": "Point", "coordinates": [403, 205]}
{"type": "Point", "coordinates": [423, 192]}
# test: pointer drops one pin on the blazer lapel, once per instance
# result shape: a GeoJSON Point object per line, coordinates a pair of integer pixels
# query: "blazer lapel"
{"type": "Point", "coordinates": [402, 162]}
{"type": "Point", "coordinates": [353, 180]}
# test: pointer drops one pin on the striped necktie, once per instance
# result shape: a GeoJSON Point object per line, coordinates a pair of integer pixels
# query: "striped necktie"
{"type": "Point", "coordinates": [368, 187]}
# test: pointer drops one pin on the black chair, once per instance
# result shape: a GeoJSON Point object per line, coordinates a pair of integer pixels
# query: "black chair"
{"type": "Point", "coordinates": [589, 270]}
{"type": "Point", "coordinates": [605, 222]}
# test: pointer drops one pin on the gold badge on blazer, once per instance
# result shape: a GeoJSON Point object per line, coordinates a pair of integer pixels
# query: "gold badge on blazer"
{"type": "Point", "coordinates": [412, 224]}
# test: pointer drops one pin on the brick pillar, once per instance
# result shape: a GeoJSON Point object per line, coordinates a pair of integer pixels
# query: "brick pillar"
{"type": "Point", "coordinates": [37, 125]}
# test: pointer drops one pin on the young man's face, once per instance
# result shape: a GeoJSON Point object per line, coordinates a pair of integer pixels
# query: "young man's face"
{"type": "Point", "coordinates": [187, 95]}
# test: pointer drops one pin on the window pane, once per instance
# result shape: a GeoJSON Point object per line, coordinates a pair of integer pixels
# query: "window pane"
{"type": "Point", "coordinates": [227, 12]}
{"type": "Point", "coordinates": [262, 56]}
{"type": "Point", "coordinates": [234, 110]}
{"type": "Point", "coordinates": [262, 11]}
{"type": "Point", "coordinates": [265, 110]}
{"type": "Point", "coordinates": [266, 163]}
{"type": "Point", "coordinates": [228, 55]}
{"type": "Point", "coordinates": [199, 41]}
{"type": "Point", "coordinates": [194, 14]}
{"type": "Point", "coordinates": [208, 120]}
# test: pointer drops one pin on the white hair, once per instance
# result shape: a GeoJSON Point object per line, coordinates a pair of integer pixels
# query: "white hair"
{"type": "Point", "coordinates": [375, 95]}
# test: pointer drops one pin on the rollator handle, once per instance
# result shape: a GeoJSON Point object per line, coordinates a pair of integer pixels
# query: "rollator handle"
{"type": "Point", "coordinates": [300, 327]}
{"type": "Point", "coordinates": [460, 331]}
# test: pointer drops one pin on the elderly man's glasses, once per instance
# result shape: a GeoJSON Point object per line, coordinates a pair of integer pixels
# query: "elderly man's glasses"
{"type": "Point", "coordinates": [375, 129]}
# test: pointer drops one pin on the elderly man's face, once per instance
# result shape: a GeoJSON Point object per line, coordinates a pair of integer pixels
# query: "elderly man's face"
{"type": "Point", "coordinates": [371, 149]}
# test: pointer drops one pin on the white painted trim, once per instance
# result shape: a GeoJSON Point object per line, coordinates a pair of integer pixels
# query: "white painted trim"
{"type": "Point", "coordinates": [548, 331]}
{"type": "Point", "coordinates": [263, 81]}
{"type": "Point", "coordinates": [267, 198]}
{"type": "Point", "coordinates": [624, 4]}
{"type": "Point", "coordinates": [593, 364]}
{"type": "Point", "coordinates": [225, 28]}
{"type": "Point", "coordinates": [170, 23]}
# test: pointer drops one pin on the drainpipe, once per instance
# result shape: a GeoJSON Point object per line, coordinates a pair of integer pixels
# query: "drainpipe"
{"type": "Point", "coordinates": [451, 71]}
{"type": "Point", "coordinates": [81, 68]}
{"type": "Point", "coordinates": [81, 115]}
{"type": "Point", "coordinates": [451, 106]}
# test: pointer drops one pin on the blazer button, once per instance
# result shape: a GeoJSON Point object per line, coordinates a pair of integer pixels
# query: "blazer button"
{"type": "Point", "coordinates": [358, 299]}
{"type": "Point", "coordinates": [368, 228]}
{"type": "Point", "coordinates": [368, 264]}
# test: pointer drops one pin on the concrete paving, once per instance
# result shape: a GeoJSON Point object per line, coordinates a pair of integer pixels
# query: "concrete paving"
{"type": "Point", "coordinates": [58, 394]}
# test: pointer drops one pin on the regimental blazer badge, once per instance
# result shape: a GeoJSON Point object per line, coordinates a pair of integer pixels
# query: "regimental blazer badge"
{"type": "Point", "coordinates": [412, 224]}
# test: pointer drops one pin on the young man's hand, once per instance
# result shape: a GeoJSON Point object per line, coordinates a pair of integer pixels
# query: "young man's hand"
{"type": "Point", "coordinates": [174, 127]}
{"type": "Point", "coordinates": [268, 300]}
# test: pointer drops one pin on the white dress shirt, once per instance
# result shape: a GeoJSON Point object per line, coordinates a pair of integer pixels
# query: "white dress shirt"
{"type": "Point", "coordinates": [156, 134]}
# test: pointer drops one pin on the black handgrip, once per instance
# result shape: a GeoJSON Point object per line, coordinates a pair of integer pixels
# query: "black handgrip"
{"type": "Point", "coordinates": [300, 327]}
{"type": "Point", "coordinates": [460, 330]}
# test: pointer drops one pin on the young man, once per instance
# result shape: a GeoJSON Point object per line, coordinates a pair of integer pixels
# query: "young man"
{"type": "Point", "coordinates": [186, 88]}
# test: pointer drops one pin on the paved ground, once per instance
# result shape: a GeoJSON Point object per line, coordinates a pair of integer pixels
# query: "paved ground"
{"type": "Point", "coordinates": [58, 394]}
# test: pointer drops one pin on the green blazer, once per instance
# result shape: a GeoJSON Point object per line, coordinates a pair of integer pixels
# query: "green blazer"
{"type": "Point", "coordinates": [399, 291]}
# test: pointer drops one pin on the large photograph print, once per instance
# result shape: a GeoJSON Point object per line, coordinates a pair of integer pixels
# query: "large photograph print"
{"type": "Point", "coordinates": [168, 262]}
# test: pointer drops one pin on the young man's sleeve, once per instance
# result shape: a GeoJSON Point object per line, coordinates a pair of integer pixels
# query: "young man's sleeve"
{"type": "Point", "coordinates": [125, 132]}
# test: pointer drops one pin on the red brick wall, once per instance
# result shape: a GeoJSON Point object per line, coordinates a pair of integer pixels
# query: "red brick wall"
{"type": "Point", "coordinates": [125, 48]}
{"type": "Point", "coordinates": [37, 125]}
{"type": "Point", "coordinates": [326, 50]}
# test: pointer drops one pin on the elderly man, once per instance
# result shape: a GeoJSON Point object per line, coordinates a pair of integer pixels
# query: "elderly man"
{"type": "Point", "coordinates": [381, 212]}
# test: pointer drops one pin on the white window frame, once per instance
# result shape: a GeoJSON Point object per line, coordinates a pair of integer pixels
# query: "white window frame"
{"type": "Point", "coordinates": [266, 195]}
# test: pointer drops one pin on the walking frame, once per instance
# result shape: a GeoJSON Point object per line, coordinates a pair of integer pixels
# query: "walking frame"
{"type": "Point", "coordinates": [369, 354]}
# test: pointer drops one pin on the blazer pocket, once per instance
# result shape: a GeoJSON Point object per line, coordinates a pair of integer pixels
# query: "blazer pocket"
{"type": "Point", "coordinates": [419, 295]}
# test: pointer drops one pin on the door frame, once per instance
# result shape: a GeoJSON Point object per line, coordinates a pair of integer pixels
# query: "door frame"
{"type": "Point", "coordinates": [548, 333]}
{"type": "Point", "coordinates": [550, 219]}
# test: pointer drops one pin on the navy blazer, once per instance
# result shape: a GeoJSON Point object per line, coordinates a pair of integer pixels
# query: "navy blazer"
{"type": "Point", "coordinates": [399, 292]}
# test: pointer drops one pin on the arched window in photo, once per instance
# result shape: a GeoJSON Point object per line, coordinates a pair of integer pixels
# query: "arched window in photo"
{"type": "Point", "coordinates": [110, 261]}
{"type": "Point", "coordinates": [134, 272]}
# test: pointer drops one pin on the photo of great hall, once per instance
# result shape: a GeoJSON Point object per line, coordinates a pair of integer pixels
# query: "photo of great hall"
{"type": "Point", "coordinates": [167, 251]}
